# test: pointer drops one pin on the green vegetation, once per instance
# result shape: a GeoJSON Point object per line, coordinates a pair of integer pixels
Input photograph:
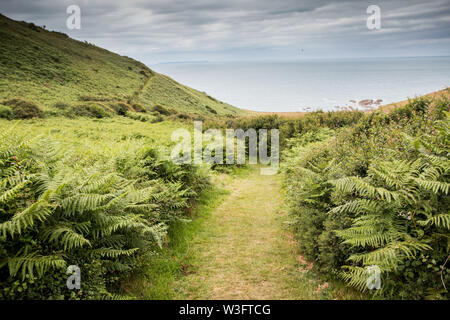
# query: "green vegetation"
{"type": "Point", "coordinates": [49, 69]}
{"type": "Point", "coordinates": [85, 179]}
{"type": "Point", "coordinates": [376, 193]}
{"type": "Point", "coordinates": [339, 169]}
{"type": "Point", "coordinates": [21, 109]}
{"type": "Point", "coordinates": [243, 249]}
{"type": "Point", "coordinates": [105, 209]}
{"type": "Point", "coordinates": [175, 259]}
{"type": "Point", "coordinates": [232, 247]}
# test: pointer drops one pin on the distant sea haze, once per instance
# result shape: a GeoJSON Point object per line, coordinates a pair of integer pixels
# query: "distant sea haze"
{"type": "Point", "coordinates": [313, 84]}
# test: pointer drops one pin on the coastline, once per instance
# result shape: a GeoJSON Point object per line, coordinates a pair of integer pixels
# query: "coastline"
{"type": "Point", "coordinates": [385, 108]}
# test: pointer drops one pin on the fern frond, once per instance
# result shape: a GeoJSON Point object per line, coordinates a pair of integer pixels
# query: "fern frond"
{"type": "Point", "coordinates": [13, 192]}
{"type": "Point", "coordinates": [434, 186]}
{"type": "Point", "coordinates": [112, 253]}
{"type": "Point", "coordinates": [66, 236]}
{"type": "Point", "coordinates": [390, 255]}
{"type": "Point", "coordinates": [439, 220]}
{"type": "Point", "coordinates": [34, 262]}
{"type": "Point", "coordinates": [37, 212]}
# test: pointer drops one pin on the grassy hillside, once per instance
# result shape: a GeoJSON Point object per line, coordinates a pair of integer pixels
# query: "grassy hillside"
{"type": "Point", "coordinates": [53, 70]}
{"type": "Point", "coordinates": [432, 95]}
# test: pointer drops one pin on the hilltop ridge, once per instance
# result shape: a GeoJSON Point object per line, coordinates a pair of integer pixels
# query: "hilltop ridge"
{"type": "Point", "coordinates": [51, 69]}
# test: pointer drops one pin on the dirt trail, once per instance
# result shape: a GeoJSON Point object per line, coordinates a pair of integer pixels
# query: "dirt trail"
{"type": "Point", "coordinates": [244, 250]}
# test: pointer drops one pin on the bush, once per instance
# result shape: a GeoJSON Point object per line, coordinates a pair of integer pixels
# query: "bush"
{"type": "Point", "coordinates": [91, 110]}
{"type": "Point", "coordinates": [6, 112]}
{"type": "Point", "coordinates": [211, 109]}
{"type": "Point", "coordinates": [161, 110]}
{"type": "Point", "coordinates": [106, 216]}
{"type": "Point", "coordinates": [376, 194]}
{"type": "Point", "coordinates": [139, 108]}
{"type": "Point", "coordinates": [293, 127]}
{"type": "Point", "coordinates": [138, 116]}
{"type": "Point", "coordinates": [157, 119]}
{"type": "Point", "coordinates": [183, 116]}
{"type": "Point", "coordinates": [87, 97]}
{"type": "Point", "coordinates": [23, 109]}
{"type": "Point", "coordinates": [121, 108]}
{"type": "Point", "coordinates": [62, 106]}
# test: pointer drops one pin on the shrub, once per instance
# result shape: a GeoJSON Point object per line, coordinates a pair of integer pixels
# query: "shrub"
{"type": "Point", "coordinates": [157, 119]}
{"type": "Point", "coordinates": [62, 106]}
{"type": "Point", "coordinates": [376, 194]}
{"type": "Point", "coordinates": [87, 97]}
{"type": "Point", "coordinates": [161, 110]}
{"type": "Point", "coordinates": [138, 116]}
{"type": "Point", "coordinates": [6, 112]}
{"type": "Point", "coordinates": [33, 27]}
{"type": "Point", "coordinates": [107, 217]}
{"type": "Point", "coordinates": [121, 108]}
{"type": "Point", "coordinates": [91, 110]}
{"type": "Point", "coordinates": [183, 116]}
{"type": "Point", "coordinates": [23, 109]}
{"type": "Point", "coordinates": [139, 108]}
{"type": "Point", "coordinates": [293, 127]}
{"type": "Point", "coordinates": [211, 109]}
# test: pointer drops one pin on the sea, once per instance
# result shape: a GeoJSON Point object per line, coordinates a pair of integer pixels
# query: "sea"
{"type": "Point", "coordinates": [307, 85]}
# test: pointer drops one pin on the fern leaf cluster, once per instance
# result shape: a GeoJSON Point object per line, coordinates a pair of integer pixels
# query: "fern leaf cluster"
{"type": "Point", "coordinates": [377, 194]}
{"type": "Point", "coordinates": [103, 217]}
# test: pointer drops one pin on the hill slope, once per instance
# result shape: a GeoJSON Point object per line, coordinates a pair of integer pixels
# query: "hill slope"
{"type": "Point", "coordinates": [432, 95]}
{"type": "Point", "coordinates": [48, 67]}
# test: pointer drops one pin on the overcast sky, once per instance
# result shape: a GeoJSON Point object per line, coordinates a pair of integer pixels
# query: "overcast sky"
{"type": "Point", "coordinates": [197, 30]}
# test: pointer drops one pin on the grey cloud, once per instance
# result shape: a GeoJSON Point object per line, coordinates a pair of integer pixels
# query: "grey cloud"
{"type": "Point", "coordinates": [161, 30]}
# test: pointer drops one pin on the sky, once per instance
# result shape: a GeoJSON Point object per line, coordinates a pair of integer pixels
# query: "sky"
{"type": "Point", "coordinates": [159, 31]}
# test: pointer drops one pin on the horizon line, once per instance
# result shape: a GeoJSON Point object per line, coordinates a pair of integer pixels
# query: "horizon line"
{"type": "Point", "coordinates": [294, 60]}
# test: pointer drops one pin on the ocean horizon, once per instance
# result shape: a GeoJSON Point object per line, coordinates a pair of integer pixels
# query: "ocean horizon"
{"type": "Point", "coordinates": [313, 84]}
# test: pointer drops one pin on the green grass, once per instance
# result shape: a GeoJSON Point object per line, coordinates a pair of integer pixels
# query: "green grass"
{"type": "Point", "coordinates": [98, 135]}
{"type": "Point", "coordinates": [237, 246]}
{"type": "Point", "coordinates": [175, 260]}
{"type": "Point", "coordinates": [49, 67]}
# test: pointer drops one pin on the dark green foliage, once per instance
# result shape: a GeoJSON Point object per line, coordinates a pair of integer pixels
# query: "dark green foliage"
{"type": "Point", "coordinates": [62, 106]}
{"type": "Point", "coordinates": [138, 116]}
{"type": "Point", "coordinates": [157, 119]}
{"type": "Point", "coordinates": [6, 112]}
{"type": "Point", "coordinates": [211, 109]}
{"type": "Point", "coordinates": [161, 110]}
{"type": "Point", "coordinates": [377, 194]}
{"type": "Point", "coordinates": [139, 108]}
{"type": "Point", "coordinates": [107, 216]}
{"type": "Point", "coordinates": [121, 108]}
{"type": "Point", "coordinates": [87, 97]}
{"type": "Point", "coordinates": [183, 116]}
{"type": "Point", "coordinates": [91, 110]}
{"type": "Point", "coordinates": [291, 127]}
{"type": "Point", "coordinates": [22, 109]}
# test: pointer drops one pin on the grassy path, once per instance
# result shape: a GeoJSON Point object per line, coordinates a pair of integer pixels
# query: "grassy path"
{"type": "Point", "coordinates": [136, 95]}
{"type": "Point", "coordinates": [244, 251]}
